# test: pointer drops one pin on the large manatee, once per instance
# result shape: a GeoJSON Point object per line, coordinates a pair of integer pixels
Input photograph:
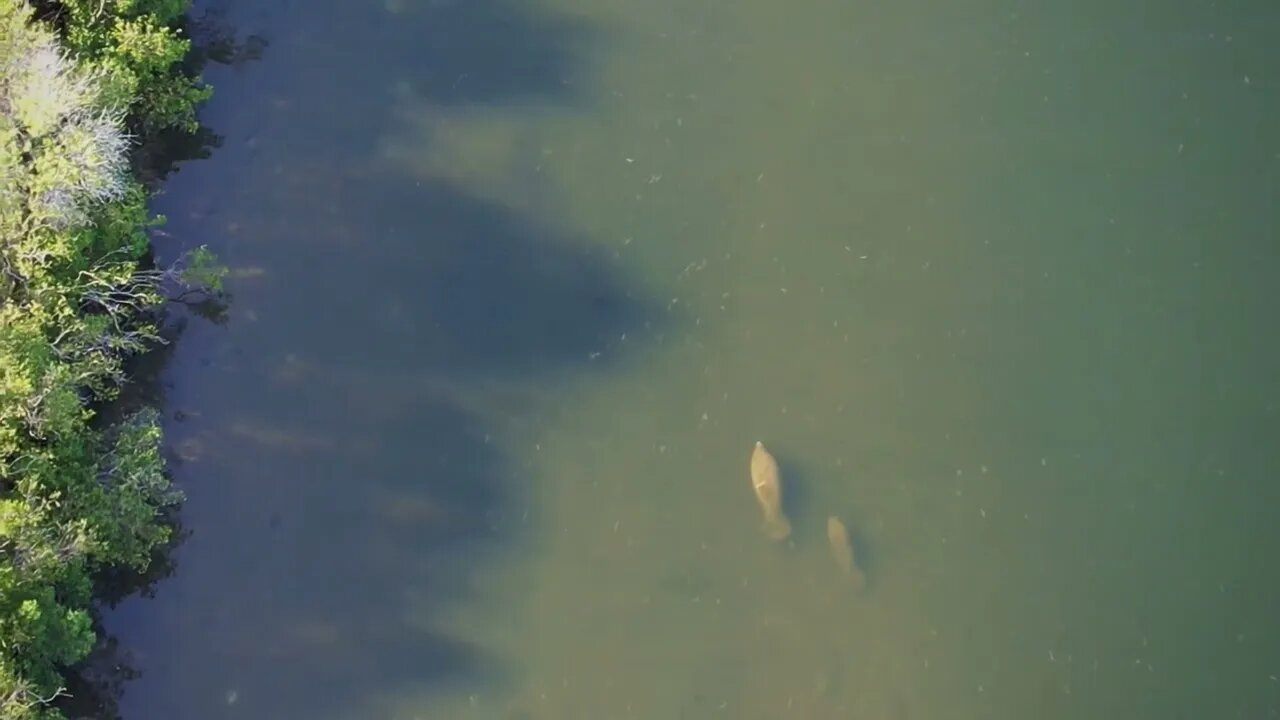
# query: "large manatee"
{"type": "Point", "coordinates": [765, 481]}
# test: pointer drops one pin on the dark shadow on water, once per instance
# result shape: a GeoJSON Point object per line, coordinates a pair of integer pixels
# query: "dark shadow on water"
{"type": "Point", "coordinates": [373, 546]}
{"type": "Point", "coordinates": [339, 436]}
{"type": "Point", "coordinates": [496, 52]}
{"type": "Point", "coordinates": [213, 40]}
{"type": "Point", "coordinates": [345, 63]}
{"type": "Point", "coordinates": [99, 682]}
{"type": "Point", "coordinates": [165, 152]}
{"type": "Point", "coordinates": [864, 551]}
{"type": "Point", "coordinates": [806, 525]}
{"type": "Point", "coordinates": [450, 52]}
{"type": "Point", "coordinates": [460, 288]}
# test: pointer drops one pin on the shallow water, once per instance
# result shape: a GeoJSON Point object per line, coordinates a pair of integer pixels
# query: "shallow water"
{"type": "Point", "coordinates": [519, 284]}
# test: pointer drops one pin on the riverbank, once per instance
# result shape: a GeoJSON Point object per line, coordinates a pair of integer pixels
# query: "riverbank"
{"type": "Point", "coordinates": [84, 87]}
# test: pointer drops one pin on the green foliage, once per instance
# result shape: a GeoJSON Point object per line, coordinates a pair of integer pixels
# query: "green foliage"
{"type": "Point", "coordinates": [75, 303]}
{"type": "Point", "coordinates": [139, 53]}
{"type": "Point", "coordinates": [203, 270]}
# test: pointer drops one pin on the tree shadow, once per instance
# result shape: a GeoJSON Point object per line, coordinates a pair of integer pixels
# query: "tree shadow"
{"type": "Point", "coordinates": [213, 40]}
{"type": "Point", "coordinates": [95, 689]}
{"type": "Point", "coordinates": [475, 293]}
{"type": "Point", "coordinates": [496, 53]}
{"type": "Point", "coordinates": [331, 578]}
{"type": "Point", "coordinates": [349, 495]}
{"type": "Point", "coordinates": [165, 152]}
{"type": "Point", "coordinates": [449, 52]}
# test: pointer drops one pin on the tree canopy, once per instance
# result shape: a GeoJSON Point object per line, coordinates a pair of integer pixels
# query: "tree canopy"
{"type": "Point", "coordinates": [82, 83]}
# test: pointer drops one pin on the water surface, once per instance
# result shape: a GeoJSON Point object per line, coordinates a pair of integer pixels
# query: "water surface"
{"type": "Point", "coordinates": [518, 284]}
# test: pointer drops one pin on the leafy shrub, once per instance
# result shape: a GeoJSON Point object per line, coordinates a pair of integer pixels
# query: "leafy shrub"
{"type": "Point", "coordinates": [75, 303]}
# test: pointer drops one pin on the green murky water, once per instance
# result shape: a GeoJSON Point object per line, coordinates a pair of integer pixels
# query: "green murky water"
{"type": "Point", "coordinates": [519, 284]}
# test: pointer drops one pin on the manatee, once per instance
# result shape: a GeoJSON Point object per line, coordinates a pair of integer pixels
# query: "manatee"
{"type": "Point", "coordinates": [842, 551]}
{"type": "Point", "coordinates": [764, 479]}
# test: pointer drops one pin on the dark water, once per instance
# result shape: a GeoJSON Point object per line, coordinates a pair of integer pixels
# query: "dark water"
{"type": "Point", "coordinates": [518, 284]}
{"type": "Point", "coordinates": [332, 464]}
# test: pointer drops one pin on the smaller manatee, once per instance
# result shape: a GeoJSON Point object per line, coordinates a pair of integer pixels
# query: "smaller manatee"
{"type": "Point", "coordinates": [842, 551]}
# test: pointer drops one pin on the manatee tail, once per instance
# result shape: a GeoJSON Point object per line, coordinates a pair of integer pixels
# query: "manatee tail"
{"type": "Point", "coordinates": [777, 527]}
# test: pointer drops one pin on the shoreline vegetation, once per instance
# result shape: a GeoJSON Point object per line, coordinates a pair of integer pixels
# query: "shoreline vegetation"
{"type": "Point", "coordinates": [84, 85]}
